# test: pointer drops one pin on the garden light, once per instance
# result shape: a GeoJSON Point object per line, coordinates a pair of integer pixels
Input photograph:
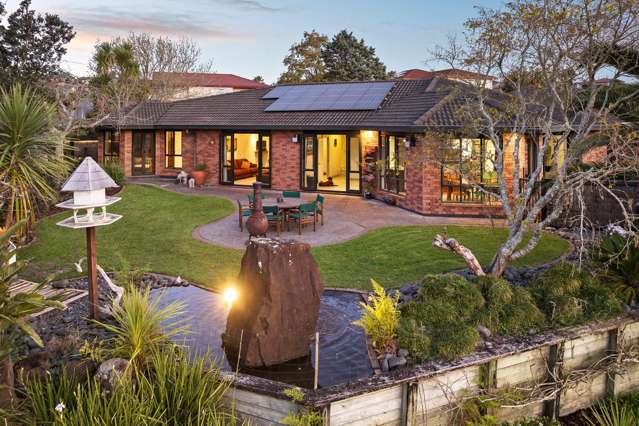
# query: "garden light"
{"type": "Point", "coordinates": [230, 295]}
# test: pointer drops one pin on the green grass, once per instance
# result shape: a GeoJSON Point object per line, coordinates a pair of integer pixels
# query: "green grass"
{"type": "Point", "coordinates": [155, 233]}
{"type": "Point", "coordinates": [398, 254]}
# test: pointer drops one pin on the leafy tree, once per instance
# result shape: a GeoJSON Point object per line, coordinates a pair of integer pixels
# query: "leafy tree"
{"type": "Point", "coordinates": [116, 77]}
{"type": "Point", "coordinates": [304, 62]}
{"type": "Point", "coordinates": [349, 59]}
{"type": "Point", "coordinates": [31, 45]}
{"type": "Point", "coordinates": [258, 79]}
{"type": "Point", "coordinates": [30, 166]}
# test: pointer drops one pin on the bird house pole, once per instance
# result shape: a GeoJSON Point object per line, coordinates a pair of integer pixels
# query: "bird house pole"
{"type": "Point", "coordinates": [92, 274]}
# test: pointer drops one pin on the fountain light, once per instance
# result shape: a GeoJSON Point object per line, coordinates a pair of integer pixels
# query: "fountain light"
{"type": "Point", "coordinates": [230, 296]}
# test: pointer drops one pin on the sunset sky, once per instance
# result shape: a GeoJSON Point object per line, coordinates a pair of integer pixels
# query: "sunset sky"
{"type": "Point", "coordinates": [251, 37]}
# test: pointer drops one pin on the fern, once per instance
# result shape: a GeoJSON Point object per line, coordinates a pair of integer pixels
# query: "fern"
{"type": "Point", "coordinates": [381, 318]}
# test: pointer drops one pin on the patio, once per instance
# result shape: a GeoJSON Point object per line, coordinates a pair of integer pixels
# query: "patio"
{"type": "Point", "coordinates": [347, 217]}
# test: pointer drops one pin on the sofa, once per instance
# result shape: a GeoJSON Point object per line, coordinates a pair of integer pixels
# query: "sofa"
{"type": "Point", "coordinates": [243, 168]}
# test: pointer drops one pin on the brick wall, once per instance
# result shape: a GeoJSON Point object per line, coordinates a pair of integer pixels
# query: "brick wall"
{"type": "Point", "coordinates": [285, 161]}
{"type": "Point", "coordinates": [100, 147]}
{"type": "Point", "coordinates": [207, 151]}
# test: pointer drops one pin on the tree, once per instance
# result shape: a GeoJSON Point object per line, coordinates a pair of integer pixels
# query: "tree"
{"type": "Point", "coordinates": [31, 45]}
{"type": "Point", "coordinates": [116, 78]}
{"type": "Point", "coordinates": [304, 62]}
{"type": "Point", "coordinates": [258, 79]}
{"type": "Point", "coordinates": [349, 59]}
{"type": "Point", "coordinates": [30, 166]}
{"type": "Point", "coordinates": [559, 43]}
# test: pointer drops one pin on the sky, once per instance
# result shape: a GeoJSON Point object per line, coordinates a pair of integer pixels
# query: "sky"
{"type": "Point", "coordinates": [251, 37]}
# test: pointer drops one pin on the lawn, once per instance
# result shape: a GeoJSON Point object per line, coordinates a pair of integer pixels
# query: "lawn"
{"type": "Point", "coordinates": [155, 234]}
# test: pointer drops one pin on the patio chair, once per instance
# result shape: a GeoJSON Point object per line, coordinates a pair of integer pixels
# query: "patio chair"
{"type": "Point", "coordinates": [304, 215]}
{"type": "Point", "coordinates": [242, 213]}
{"type": "Point", "coordinates": [292, 194]}
{"type": "Point", "coordinates": [320, 207]}
{"type": "Point", "coordinates": [274, 217]}
{"type": "Point", "coordinates": [251, 198]}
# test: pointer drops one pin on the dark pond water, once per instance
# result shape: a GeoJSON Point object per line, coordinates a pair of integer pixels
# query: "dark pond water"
{"type": "Point", "coordinates": [342, 355]}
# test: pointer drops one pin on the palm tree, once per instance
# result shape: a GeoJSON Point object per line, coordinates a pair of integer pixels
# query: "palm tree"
{"type": "Point", "coordinates": [14, 309]}
{"type": "Point", "coordinates": [31, 166]}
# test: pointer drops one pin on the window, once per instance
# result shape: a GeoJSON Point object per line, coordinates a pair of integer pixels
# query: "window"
{"type": "Point", "coordinates": [468, 165]}
{"type": "Point", "coordinates": [111, 146]}
{"type": "Point", "coordinates": [173, 150]}
{"type": "Point", "coordinates": [393, 159]}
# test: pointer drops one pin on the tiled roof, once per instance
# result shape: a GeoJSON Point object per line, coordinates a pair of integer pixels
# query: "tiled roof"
{"type": "Point", "coordinates": [207, 79]}
{"type": "Point", "coordinates": [410, 105]}
{"type": "Point", "coordinates": [417, 74]}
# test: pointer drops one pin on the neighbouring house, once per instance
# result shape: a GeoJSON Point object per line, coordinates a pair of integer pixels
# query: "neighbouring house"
{"type": "Point", "coordinates": [199, 84]}
{"type": "Point", "coordinates": [463, 76]}
{"type": "Point", "coordinates": [328, 137]}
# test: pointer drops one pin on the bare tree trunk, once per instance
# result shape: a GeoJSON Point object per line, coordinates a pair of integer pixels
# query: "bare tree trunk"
{"type": "Point", "coordinates": [499, 264]}
{"type": "Point", "coordinates": [7, 396]}
{"type": "Point", "coordinates": [453, 245]}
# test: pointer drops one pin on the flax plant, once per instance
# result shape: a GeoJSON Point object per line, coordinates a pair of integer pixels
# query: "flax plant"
{"type": "Point", "coordinates": [31, 161]}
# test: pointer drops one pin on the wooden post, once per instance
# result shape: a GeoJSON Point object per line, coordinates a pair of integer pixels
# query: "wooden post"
{"type": "Point", "coordinates": [613, 349]}
{"type": "Point", "coordinates": [316, 378]}
{"type": "Point", "coordinates": [555, 372]}
{"type": "Point", "coordinates": [92, 273]}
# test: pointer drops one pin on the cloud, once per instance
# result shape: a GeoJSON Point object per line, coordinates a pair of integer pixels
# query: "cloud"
{"type": "Point", "coordinates": [106, 22]}
{"type": "Point", "coordinates": [247, 5]}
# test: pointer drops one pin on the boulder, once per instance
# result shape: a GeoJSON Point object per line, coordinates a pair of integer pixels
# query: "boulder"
{"type": "Point", "coordinates": [275, 315]}
{"type": "Point", "coordinates": [111, 372]}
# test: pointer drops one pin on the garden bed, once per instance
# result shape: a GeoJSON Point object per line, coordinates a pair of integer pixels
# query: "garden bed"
{"type": "Point", "coordinates": [431, 393]}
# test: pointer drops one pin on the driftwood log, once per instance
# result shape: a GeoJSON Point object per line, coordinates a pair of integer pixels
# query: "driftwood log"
{"type": "Point", "coordinates": [453, 245]}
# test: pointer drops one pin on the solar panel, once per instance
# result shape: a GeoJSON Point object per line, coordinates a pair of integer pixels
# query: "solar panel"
{"type": "Point", "coordinates": [328, 96]}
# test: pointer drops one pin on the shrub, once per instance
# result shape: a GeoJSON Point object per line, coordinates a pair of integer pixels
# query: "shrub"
{"type": "Point", "coordinates": [569, 296]}
{"type": "Point", "coordinates": [413, 337]}
{"type": "Point", "coordinates": [620, 258]}
{"type": "Point", "coordinates": [380, 319]}
{"type": "Point", "coordinates": [612, 412]}
{"type": "Point", "coordinates": [509, 310]}
{"type": "Point", "coordinates": [453, 340]}
{"type": "Point", "coordinates": [458, 297]}
{"type": "Point", "coordinates": [174, 390]}
{"type": "Point", "coordinates": [115, 170]}
{"type": "Point", "coordinates": [200, 167]}
{"type": "Point", "coordinates": [142, 327]}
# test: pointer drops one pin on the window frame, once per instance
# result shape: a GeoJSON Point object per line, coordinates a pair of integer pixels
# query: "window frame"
{"type": "Point", "coordinates": [108, 154]}
{"type": "Point", "coordinates": [173, 156]}
{"type": "Point", "coordinates": [398, 185]}
{"type": "Point", "coordinates": [459, 165]}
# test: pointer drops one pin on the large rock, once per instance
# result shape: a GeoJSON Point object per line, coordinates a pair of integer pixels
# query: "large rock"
{"type": "Point", "coordinates": [112, 372]}
{"type": "Point", "coordinates": [278, 304]}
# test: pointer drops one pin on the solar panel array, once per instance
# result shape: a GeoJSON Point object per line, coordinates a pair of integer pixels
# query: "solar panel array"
{"type": "Point", "coordinates": [328, 96]}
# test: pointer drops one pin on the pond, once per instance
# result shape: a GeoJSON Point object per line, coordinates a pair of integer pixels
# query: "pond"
{"type": "Point", "coordinates": [342, 346]}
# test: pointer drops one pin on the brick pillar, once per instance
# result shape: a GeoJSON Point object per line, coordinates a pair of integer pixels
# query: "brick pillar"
{"type": "Point", "coordinates": [207, 148]}
{"type": "Point", "coordinates": [285, 161]}
{"type": "Point", "coordinates": [160, 148]}
{"type": "Point", "coordinates": [100, 147]}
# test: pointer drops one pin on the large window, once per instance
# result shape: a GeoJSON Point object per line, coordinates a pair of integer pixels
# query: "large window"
{"type": "Point", "coordinates": [173, 150]}
{"type": "Point", "coordinates": [468, 165]}
{"type": "Point", "coordinates": [393, 162]}
{"type": "Point", "coordinates": [111, 146]}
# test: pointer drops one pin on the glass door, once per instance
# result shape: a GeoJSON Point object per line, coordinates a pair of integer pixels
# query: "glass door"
{"type": "Point", "coordinates": [226, 157]}
{"type": "Point", "coordinates": [309, 162]}
{"type": "Point", "coordinates": [264, 160]}
{"type": "Point", "coordinates": [353, 161]}
{"type": "Point", "coordinates": [143, 153]}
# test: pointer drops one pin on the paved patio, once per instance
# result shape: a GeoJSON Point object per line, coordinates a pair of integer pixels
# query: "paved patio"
{"type": "Point", "coordinates": [346, 217]}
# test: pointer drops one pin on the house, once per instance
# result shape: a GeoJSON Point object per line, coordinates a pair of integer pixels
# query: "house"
{"type": "Point", "coordinates": [198, 84]}
{"type": "Point", "coordinates": [317, 137]}
{"type": "Point", "coordinates": [463, 76]}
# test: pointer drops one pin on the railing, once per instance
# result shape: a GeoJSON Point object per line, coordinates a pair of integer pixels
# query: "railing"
{"type": "Point", "coordinates": [539, 188]}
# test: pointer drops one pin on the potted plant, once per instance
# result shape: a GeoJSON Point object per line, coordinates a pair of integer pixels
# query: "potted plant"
{"type": "Point", "coordinates": [369, 179]}
{"type": "Point", "coordinates": [199, 174]}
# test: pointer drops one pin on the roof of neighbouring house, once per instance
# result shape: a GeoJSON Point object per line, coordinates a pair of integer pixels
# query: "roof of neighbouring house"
{"type": "Point", "coordinates": [418, 74]}
{"type": "Point", "coordinates": [88, 176]}
{"type": "Point", "coordinates": [207, 79]}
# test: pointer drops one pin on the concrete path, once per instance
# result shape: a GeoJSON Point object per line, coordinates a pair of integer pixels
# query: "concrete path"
{"type": "Point", "coordinates": [346, 217]}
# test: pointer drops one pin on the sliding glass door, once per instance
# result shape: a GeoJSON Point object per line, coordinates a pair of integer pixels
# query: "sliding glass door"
{"type": "Point", "coordinates": [143, 153]}
{"type": "Point", "coordinates": [331, 162]}
{"type": "Point", "coordinates": [245, 158]}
